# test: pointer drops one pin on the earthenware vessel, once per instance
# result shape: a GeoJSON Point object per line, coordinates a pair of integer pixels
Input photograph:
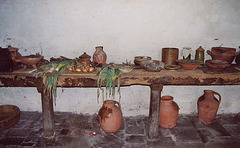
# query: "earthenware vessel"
{"type": "Point", "coordinates": [6, 62]}
{"type": "Point", "coordinates": [189, 64]}
{"type": "Point", "coordinates": [29, 61]}
{"type": "Point", "coordinates": [217, 65]}
{"type": "Point", "coordinates": [223, 53]}
{"type": "Point", "coordinates": [169, 56]}
{"type": "Point", "coordinates": [110, 116]}
{"type": "Point", "coordinates": [99, 56]}
{"type": "Point", "coordinates": [14, 54]}
{"type": "Point", "coordinates": [139, 59]}
{"type": "Point", "coordinates": [168, 112]}
{"type": "Point", "coordinates": [208, 106]}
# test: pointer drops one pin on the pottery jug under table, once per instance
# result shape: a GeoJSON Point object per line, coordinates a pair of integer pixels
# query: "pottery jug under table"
{"type": "Point", "coordinates": [208, 106]}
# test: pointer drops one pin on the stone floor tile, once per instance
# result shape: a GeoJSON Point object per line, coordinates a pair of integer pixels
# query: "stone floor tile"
{"type": "Point", "coordinates": [135, 139]}
{"type": "Point", "coordinates": [228, 119]}
{"type": "Point", "coordinates": [233, 130]}
{"type": "Point", "coordinates": [11, 141]}
{"type": "Point", "coordinates": [184, 120]}
{"type": "Point", "coordinates": [185, 134]}
{"type": "Point", "coordinates": [216, 129]}
{"type": "Point", "coordinates": [190, 145]}
{"type": "Point", "coordinates": [18, 133]}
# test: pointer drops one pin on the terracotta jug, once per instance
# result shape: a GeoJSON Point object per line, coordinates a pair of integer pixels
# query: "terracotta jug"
{"type": "Point", "coordinates": [168, 112]}
{"type": "Point", "coordinates": [110, 116]}
{"type": "Point", "coordinates": [208, 106]}
{"type": "Point", "coordinates": [99, 56]}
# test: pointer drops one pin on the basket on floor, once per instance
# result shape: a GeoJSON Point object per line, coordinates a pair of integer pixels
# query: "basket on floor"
{"type": "Point", "coordinates": [9, 116]}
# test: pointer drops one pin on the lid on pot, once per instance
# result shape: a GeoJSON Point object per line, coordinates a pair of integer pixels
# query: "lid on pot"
{"type": "Point", "coordinates": [85, 56]}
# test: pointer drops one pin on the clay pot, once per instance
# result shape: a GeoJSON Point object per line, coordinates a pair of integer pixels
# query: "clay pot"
{"type": "Point", "coordinates": [6, 62]}
{"type": "Point", "coordinates": [223, 54]}
{"type": "Point", "coordinates": [99, 56]}
{"type": "Point", "coordinates": [200, 54]}
{"type": "Point", "coordinates": [110, 116]}
{"type": "Point", "coordinates": [169, 56]}
{"type": "Point", "coordinates": [208, 106]}
{"type": "Point", "coordinates": [217, 65]}
{"type": "Point", "coordinates": [29, 61]}
{"type": "Point", "coordinates": [189, 64]}
{"type": "Point", "coordinates": [139, 59]}
{"type": "Point", "coordinates": [14, 55]}
{"type": "Point", "coordinates": [168, 112]}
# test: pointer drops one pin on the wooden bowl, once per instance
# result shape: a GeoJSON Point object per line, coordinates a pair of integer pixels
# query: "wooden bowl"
{"type": "Point", "coordinates": [217, 65]}
{"type": "Point", "coordinates": [139, 59]}
{"type": "Point", "coordinates": [189, 64]}
{"type": "Point", "coordinates": [152, 65]}
{"type": "Point", "coordinates": [9, 116]}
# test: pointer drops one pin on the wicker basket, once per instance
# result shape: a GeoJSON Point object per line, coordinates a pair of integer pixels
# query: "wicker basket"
{"type": "Point", "coordinates": [9, 116]}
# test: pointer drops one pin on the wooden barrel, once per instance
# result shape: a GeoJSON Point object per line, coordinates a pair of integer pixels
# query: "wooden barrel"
{"type": "Point", "coordinates": [169, 56]}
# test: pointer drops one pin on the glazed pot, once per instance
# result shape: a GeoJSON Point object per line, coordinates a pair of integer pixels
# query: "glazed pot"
{"type": "Point", "coordinates": [208, 106]}
{"type": "Point", "coordinates": [99, 56]}
{"type": "Point", "coordinates": [168, 112]}
{"type": "Point", "coordinates": [223, 54]}
{"type": "Point", "coordinates": [110, 116]}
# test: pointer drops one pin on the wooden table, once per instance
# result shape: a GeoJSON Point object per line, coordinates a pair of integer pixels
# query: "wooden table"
{"type": "Point", "coordinates": [156, 81]}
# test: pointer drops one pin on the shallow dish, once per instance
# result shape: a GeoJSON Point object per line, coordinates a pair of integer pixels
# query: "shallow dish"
{"type": "Point", "coordinates": [152, 65]}
{"type": "Point", "coordinates": [189, 64]}
{"type": "Point", "coordinates": [217, 65]}
{"type": "Point", "coordinates": [31, 61]}
{"type": "Point", "coordinates": [9, 116]}
{"type": "Point", "coordinates": [172, 67]}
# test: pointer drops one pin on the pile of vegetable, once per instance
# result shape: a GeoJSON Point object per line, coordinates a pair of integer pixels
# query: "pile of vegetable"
{"type": "Point", "coordinates": [50, 74]}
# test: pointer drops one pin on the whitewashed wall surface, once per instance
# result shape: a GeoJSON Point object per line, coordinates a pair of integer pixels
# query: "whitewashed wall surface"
{"type": "Point", "coordinates": [125, 28]}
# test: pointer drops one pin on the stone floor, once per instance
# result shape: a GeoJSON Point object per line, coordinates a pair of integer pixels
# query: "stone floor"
{"type": "Point", "coordinates": [74, 130]}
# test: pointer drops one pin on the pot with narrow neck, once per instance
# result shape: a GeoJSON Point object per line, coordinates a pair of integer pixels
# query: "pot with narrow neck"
{"type": "Point", "coordinates": [99, 56]}
{"type": "Point", "coordinates": [208, 106]}
{"type": "Point", "coordinates": [110, 116]}
{"type": "Point", "coordinates": [168, 112]}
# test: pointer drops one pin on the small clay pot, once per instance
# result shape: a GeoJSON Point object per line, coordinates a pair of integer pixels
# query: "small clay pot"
{"type": "Point", "coordinates": [99, 56]}
{"type": "Point", "coordinates": [223, 54]}
{"type": "Point", "coordinates": [168, 112]}
{"type": "Point", "coordinates": [217, 65]}
{"type": "Point", "coordinates": [139, 59]}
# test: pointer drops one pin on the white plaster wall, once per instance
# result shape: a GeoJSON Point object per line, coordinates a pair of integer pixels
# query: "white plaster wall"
{"type": "Point", "coordinates": [125, 28]}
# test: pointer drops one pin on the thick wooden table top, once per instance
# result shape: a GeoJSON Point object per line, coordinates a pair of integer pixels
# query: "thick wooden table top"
{"type": "Point", "coordinates": [21, 78]}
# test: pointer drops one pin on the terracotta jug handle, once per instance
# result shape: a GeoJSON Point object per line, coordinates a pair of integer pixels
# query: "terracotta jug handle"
{"type": "Point", "coordinates": [209, 52]}
{"type": "Point", "coordinates": [219, 100]}
{"type": "Point", "coordinates": [116, 102]}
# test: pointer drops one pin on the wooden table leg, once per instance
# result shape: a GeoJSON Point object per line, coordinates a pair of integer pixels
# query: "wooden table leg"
{"type": "Point", "coordinates": [154, 111]}
{"type": "Point", "coordinates": [48, 114]}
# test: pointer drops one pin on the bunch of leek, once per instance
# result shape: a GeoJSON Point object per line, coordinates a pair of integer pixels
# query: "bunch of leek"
{"type": "Point", "coordinates": [109, 75]}
{"type": "Point", "coordinates": [50, 74]}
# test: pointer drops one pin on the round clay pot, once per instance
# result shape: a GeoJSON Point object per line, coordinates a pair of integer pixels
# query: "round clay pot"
{"type": "Point", "coordinates": [139, 59]}
{"type": "Point", "coordinates": [99, 56]}
{"type": "Point", "coordinates": [223, 54]}
{"type": "Point", "coordinates": [168, 112]}
{"type": "Point", "coordinates": [15, 55]}
{"type": "Point", "coordinates": [237, 60]}
{"type": "Point", "coordinates": [110, 116]}
{"type": "Point", "coordinates": [208, 106]}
